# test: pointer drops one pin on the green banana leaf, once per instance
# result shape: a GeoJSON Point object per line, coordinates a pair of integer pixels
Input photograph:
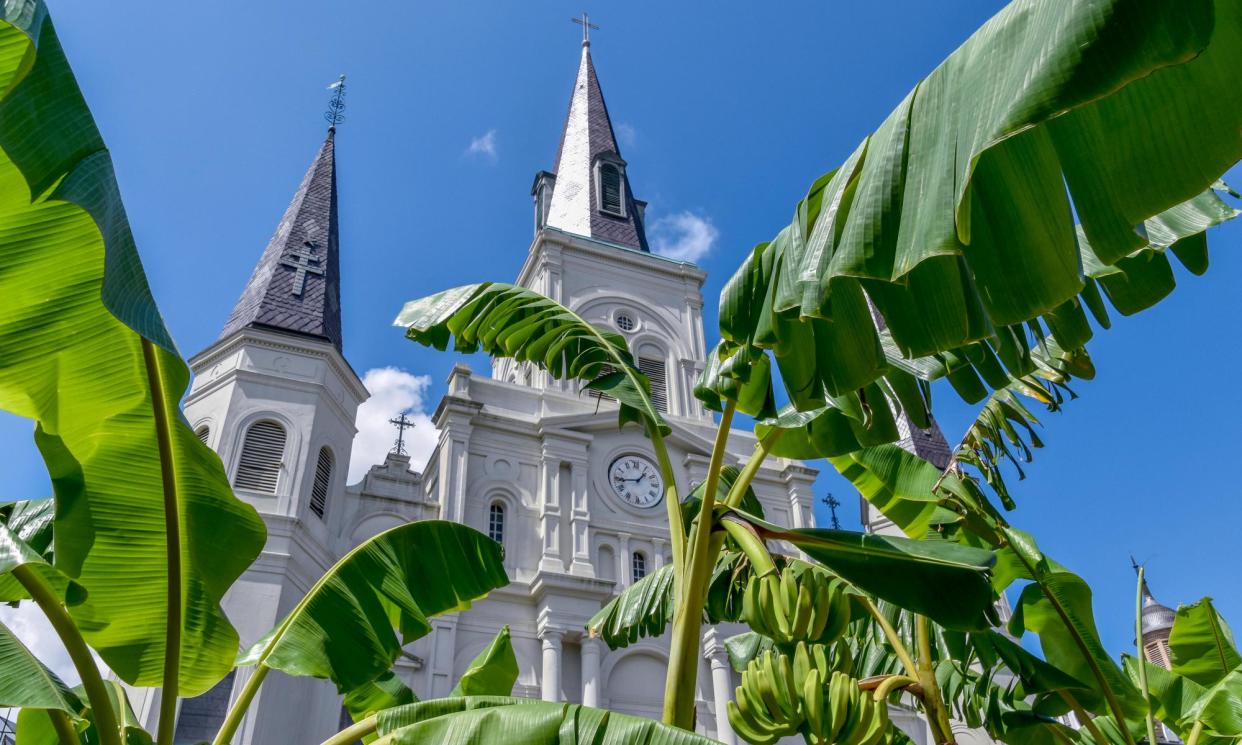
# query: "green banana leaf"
{"type": "Point", "coordinates": [493, 672]}
{"type": "Point", "coordinates": [644, 609]}
{"type": "Point", "coordinates": [350, 627]}
{"type": "Point", "coordinates": [34, 727]}
{"type": "Point", "coordinates": [947, 582]}
{"type": "Point", "coordinates": [1201, 644]}
{"type": "Point", "coordinates": [1036, 675]}
{"type": "Point", "coordinates": [509, 321]}
{"type": "Point", "coordinates": [87, 357]}
{"type": "Point", "coordinates": [384, 692]}
{"type": "Point", "coordinates": [15, 552]}
{"type": "Point", "coordinates": [1172, 696]}
{"type": "Point", "coordinates": [963, 200]}
{"type": "Point", "coordinates": [1058, 608]}
{"type": "Point", "coordinates": [1221, 706]}
{"type": "Point", "coordinates": [899, 484]}
{"type": "Point", "coordinates": [26, 682]}
{"type": "Point", "coordinates": [501, 720]}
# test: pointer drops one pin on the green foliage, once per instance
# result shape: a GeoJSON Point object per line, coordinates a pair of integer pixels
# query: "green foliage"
{"type": "Point", "coordinates": [25, 682]}
{"type": "Point", "coordinates": [1201, 644]}
{"type": "Point", "coordinates": [493, 672]}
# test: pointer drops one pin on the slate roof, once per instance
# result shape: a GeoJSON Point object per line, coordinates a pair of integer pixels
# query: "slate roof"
{"type": "Point", "coordinates": [587, 135]}
{"type": "Point", "coordinates": [306, 236]}
{"type": "Point", "coordinates": [1156, 617]}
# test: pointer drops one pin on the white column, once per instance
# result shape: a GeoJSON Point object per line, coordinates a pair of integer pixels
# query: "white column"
{"type": "Point", "coordinates": [580, 522]}
{"type": "Point", "coordinates": [550, 514]}
{"type": "Point", "coordinates": [590, 651]}
{"type": "Point", "coordinates": [551, 681]}
{"type": "Point", "coordinates": [625, 574]}
{"type": "Point", "coordinates": [722, 684]}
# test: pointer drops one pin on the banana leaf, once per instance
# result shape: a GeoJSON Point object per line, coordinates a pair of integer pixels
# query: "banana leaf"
{"type": "Point", "coordinates": [493, 672]}
{"type": "Point", "coordinates": [27, 683]}
{"type": "Point", "coordinates": [350, 627]}
{"type": "Point", "coordinates": [899, 484]}
{"type": "Point", "coordinates": [1201, 644]}
{"type": "Point", "coordinates": [15, 551]}
{"type": "Point", "coordinates": [34, 727]}
{"type": "Point", "coordinates": [501, 720]}
{"type": "Point", "coordinates": [643, 609]}
{"type": "Point", "coordinates": [509, 321]}
{"type": "Point", "coordinates": [1172, 696]}
{"type": "Point", "coordinates": [1220, 708]}
{"type": "Point", "coordinates": [947, 582]}
{"type": "Point", "coordinates": [87, 357]}
{"type": "Point", "coordinates": [384, 692]}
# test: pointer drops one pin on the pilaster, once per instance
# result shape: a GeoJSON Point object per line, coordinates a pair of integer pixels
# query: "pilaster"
{"type": "Point", "coordinates": [722, 683]}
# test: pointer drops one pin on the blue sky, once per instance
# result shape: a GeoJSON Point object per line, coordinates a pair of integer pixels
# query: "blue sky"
{"type": "Point", "coordinates": [725, 116]}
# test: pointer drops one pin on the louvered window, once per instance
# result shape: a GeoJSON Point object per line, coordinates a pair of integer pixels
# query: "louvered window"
{"type": "Point", "coordinates": [323, 482]}
{"type": "Point", "coordinates": [202, 433]}
{"type": "Point", "coordinates": [496, 523]}
{"type": "Point", "coordinates": [262, 454]}
{"type": "Point", "coordinates": [638, 566]}
{"type": "Point", "coordinates": [653, 368]}
{"type": "Point", "coordinates": [599, 395]}
{"type": "Point", "coordinates": [610, 190]}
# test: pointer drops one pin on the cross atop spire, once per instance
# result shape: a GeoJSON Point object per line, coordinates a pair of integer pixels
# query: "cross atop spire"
{"type": "Point", "coordinates": [585, 23]}
{"type": "Point", "coordinates": [336, 105]}
{"type": "Point", "coordinates": [402, 423]}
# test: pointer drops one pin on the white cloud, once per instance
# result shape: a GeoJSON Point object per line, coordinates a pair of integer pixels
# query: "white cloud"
{"type": "Point", "coordinates": [29, 625]}
{"type": "Point", "coordinates": [392, 391]}
{"type": "Point", "coordinates": [484, 146]}
{"type": "Point", "coordinates": [627, 135]}
{"type": "Point", "coordinates": [684, 236]}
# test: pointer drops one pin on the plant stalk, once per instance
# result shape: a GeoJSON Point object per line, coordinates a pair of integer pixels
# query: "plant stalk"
{"type": "Point", "coordinates": [672, 505]}
{"type": "Point", "coordinates": [933, 703]}
{"type": "Point", "coordinates": [64, 727]}
{"type": "Point", "coordinates": [172, 533]}
{"type": "Point", "coordinates": [683, 666]}
{"type": "Point", "coordinates": [354, 732]}
{"type": "Point", "coordinates": [894, 640]}
{"type": "Point", "coordinates": [1084, 717]}
{"type": "Point", "coordinates": [1195, 733]}
{"type": "Point", "coordinates": [1141, 658]}
{"type": "Point", "coordinates": [231, 722]}
{"type": "Point", "coordinates": [79, 653]}
{"type": "Point", "coordinates": [892, 683]}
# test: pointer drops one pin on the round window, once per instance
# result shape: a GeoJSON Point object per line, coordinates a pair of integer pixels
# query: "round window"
{"type": "Point", "coordinates": [625, 322]}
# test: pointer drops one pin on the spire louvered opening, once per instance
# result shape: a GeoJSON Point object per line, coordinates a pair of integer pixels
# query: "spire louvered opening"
{"type": "Point", "coordinates": [323, 481]}
{"type": "Point", "coordinates": [262, 456]}
{"type": "Point", "coordinates": [611, 190]}
{"type": "Point", "coordinates": [203, 433]}
{"type": "Point", "coordinates": [653, 368]}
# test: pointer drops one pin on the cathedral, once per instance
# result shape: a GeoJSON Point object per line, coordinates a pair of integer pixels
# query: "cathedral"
{"type": "Point", "coordinates": [521, 457]}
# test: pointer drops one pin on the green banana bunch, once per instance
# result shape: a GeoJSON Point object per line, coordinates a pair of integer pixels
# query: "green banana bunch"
{"type": "Point", "coordinates": [782, 694]}
{"type": "Point", "coordinates": [792, 606]}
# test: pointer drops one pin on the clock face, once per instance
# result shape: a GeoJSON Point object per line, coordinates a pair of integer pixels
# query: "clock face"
{"type": "Point", "coordinates": [636, 481]}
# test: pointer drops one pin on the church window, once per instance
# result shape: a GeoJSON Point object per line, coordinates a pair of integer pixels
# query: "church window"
{"type": "Point", "coordinates": [261, 458]}
{"type": "Point", "coordinates": [625, 322]}
{"type": "Point", "coordinates": [653, 368]}
{"type": "Point", "coordinates": [203, 433]}
{"type": "Point", "coordinates": [496, 522]}
{"type": "Point", "coordinates": [323, 482]}
{"type": "Point", "coordinates": [638, 566]}
{"type": "Point", "coordinates": [611, 190]}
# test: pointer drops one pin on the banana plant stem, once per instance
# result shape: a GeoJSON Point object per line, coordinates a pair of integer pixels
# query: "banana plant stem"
{"type": "Point", "coordinates": [1140, 659]}
{"type": "Point", "coordinates": [1084, 718]}
{"type": "Point", "coordinates": [672, 504]}
{"type": "Point", "coordinates": [1195, 732]}
{"type": "Point", "coordinates": [231, 722]}
{"type": "Point", "coordinates": [894, 640]}
{"type": "Point", "coordinates": [892, 683]}
{"type": "Point", "coordinates": [172, 533]}
{"type": "Point", "coordinates": [354, 732]}
{"type": "Point", "coordinates": [937, 716]}
{"type": "Point", "coordinates": [683, 668]}
{"type": "Point", "coordinates": [79, 653]}
{"type": "Point", "coordinates": [738, 491]}
{"type": "Point", "coordinates": [64, 727]}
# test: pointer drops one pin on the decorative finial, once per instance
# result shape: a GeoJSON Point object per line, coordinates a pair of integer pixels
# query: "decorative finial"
{"type": "Point", "coordinates": [336, 105]}
{"type": "Point", "coordinates": [402, 423]}
{"type": "Point", "coordinates": [833, 503]}
{"type": "Point", "coordinates": [585, 23]}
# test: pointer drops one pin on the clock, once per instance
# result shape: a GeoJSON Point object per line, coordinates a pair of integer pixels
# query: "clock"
{"type": "Point", "coordinates": [636, 481]}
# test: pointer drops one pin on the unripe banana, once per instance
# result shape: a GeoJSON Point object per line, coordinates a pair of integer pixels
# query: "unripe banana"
{"type": "Point", "coordinates": [797, 605]}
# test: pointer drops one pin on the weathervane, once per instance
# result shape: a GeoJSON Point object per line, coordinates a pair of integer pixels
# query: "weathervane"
{"type": "Point", "coordinates": [833, 503]}
{"type": "Point", "coordinates": [402, 423]}
{"type": "Point", "coordinates": [336, 105]}
{"type": "Point", "coordinates": [585, 23]}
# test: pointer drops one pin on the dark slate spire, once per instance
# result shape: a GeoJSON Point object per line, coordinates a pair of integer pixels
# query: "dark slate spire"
{"type": "Point", "coordinates": [587, 142]}
{"type": "Point", "coordinates": [296, 286]}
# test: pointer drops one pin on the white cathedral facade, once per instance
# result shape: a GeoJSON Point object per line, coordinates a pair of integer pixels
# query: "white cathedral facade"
{"type": "Point", "coordinates": [520, 456]}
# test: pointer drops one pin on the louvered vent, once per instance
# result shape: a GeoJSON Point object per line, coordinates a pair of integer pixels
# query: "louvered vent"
{"type": "Point", "coordinates": [202, 433]}
{"type": "Point", "coordinates": [610, 190]}
{"type": "Point", "coordinates": [599, 395]}
{"type": "Point", "coordinates": [323, 480]}
{"type": "Point", "coordinates": [654, 370]}
{"type": "Point", "coordinates": [262, 453]}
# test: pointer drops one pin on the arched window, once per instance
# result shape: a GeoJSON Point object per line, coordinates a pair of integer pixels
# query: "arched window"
{"type": "Point", "coordinates": [323, 482]}
{"type": "Point", "coordinates": [653, 368]}
{"type": "Point", "coordinates": [203, 433]}
{"type": "Point", "coordinates": [611, 190]}
{"type": "Point", "coordinates": [638, 566]}
{"type": "Point", "coordinates": [262, 455]}
{"type": "Point", "coordinates": [496, 522]}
